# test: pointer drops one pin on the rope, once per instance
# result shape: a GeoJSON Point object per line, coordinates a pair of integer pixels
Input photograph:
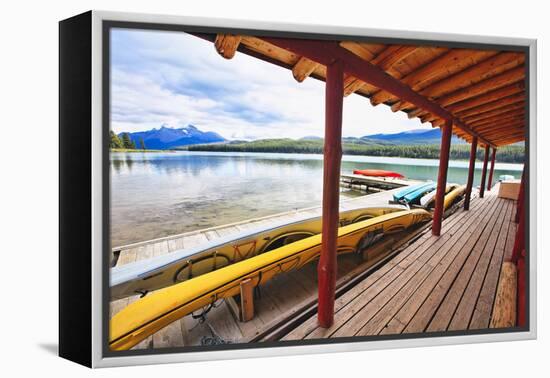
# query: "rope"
{"type": "Point", "coordinates": [215, 339]}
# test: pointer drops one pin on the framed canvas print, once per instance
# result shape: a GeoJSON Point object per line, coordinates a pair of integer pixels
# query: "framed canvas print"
{"type": "Point", "coordinates": [232, 189]}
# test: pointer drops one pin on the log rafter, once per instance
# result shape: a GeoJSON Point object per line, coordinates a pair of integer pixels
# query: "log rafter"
{"type": "Point", "coordinates": [227, 44]}
{"type": "Point", "coordinates": [325, 53]}
{"type": "Point", "coordinates": [385, 60]}
{"type": "Point", "coordinates": [485, 70]}
{"type": "Point", "coordinates": [453, 61]}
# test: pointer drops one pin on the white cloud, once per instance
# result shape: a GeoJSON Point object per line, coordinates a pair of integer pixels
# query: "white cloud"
{"type": "Point", "coordinates": [178, 79]}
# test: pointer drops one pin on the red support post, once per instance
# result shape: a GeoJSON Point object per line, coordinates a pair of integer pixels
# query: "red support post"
{"type": "Point", "coordinates": [484, 172]}
{"type": "Point", "coordinates": [447, 132]}
{"type": "Point", "coordinates": [521, 300]}
{"type": "Point", "coordinates": [519, 241]}
{"type": "Point", "coordinates": [490, 183]}
{"type": "Point", "coordinates": [521, 197]}
{"type": "Point", "coordinates": [471, 169]}
{"type": "Point", "coordinates": [326, 269]}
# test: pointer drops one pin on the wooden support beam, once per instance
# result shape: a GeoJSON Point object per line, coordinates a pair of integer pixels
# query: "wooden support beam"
{"type": "Point", "coordinates": [505, 110]}
{"type": "Point", "coordinates": [521, 196]}
{"type": "Point", "coordinates": [327, 267]}
{"type": "Point", "coordinates": [326, 52]}
{"type": "Point", "coordinates": [519, 241]}
{"type": "Point", "coordinates": [247, 300]}
{"type": "Point", "coordinates": [447, 132]}
{"type": "Point", "coordinates": [227, 44]}
{"type": "Point", "coordinates": [303, 68]}
{"type": "Point", "coordinates": [501, 103]}
{"type": "Point", "coordinates": [451, 62]}
{"type": "Point", "coordinates": [510, 126]}
{"type": "Point", "coordinates": [500, 119]}
{"type": "Point", "coordinates": [495, 95]}
{"type": "Point", "coordinates": [471, 170]}
{"type": "Point", "coordinates": [484, 172]}
{"type": "Point", "coordinates": [483, 87]}
{"type": "Point", "coordinates": [491, 171]}
{"type": "Point", "coordinates": [521, 299]}
{"type": "Point", "coordinates": [509, 140]}
{"type": "Point", "coordinates": [479, 78]}
{"type": "Point", "coordinates": [385, 60]}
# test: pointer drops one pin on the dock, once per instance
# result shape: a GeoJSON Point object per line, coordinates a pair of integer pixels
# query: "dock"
{"type": "Point", "coordinates": [446, 283]}
{"type": "Point", "coordinates": [419, 283]}
{"type": "Point", "coordinates": [367, 183]}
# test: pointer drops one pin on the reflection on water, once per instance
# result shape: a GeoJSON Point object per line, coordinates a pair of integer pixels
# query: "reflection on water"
{"type": "Point", "coordinates": [160, 194]}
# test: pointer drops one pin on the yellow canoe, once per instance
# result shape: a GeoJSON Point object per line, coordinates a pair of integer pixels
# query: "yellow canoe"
{"type": "Point", "coordinates": [155, 311]}
{"type": "Point", "coordinates": [162, 271]}
{"type": "Point", "coordinates": [453, 195]}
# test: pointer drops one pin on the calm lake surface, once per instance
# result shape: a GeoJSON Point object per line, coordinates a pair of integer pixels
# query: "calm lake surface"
{"type": "Point", "coordinates": [160, 194]}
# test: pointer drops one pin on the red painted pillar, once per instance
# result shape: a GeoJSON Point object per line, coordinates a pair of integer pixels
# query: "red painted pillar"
{"type": "Point", "coordinates": [521, 299]}
{"type": "Point", "coordinates": [521, 196]}
{"type": "Point", "coordinates": [447, 132]}
{"type": "Point", "coordinates": [490, 183]}
{"type": "Point", "coordinates": [471, 169]}
{"type": "Point", "coordinates": [519, 241]}
{"type": "Point", "coordinates": [484, 172]}
{"type": "Point", "coordinates": [326, 270]}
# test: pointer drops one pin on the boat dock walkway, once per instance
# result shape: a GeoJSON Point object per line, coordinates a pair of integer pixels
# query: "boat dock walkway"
{"type": "Point", "coordinates": [446, 283]}
{"type": "Point", "coordinates": [353, 181]}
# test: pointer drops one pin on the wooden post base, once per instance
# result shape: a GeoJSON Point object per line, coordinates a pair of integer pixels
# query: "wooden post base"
{"type": "Point", "coordinates": [242, 306]}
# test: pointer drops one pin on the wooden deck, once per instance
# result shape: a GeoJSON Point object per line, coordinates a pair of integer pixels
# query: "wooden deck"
{"type": "Point", "coordinates": [435, 284]}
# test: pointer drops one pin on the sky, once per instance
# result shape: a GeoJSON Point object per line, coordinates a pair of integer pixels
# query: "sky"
{"type": "Point", "coordinates": [174, 79]}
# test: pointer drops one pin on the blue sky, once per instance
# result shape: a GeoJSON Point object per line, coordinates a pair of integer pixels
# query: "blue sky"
{"type": "Point", "coordinates": [175, 79]}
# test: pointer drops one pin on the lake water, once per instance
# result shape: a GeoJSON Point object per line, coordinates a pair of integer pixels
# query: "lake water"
{"type": "Point", "coordinates": [160, 194]}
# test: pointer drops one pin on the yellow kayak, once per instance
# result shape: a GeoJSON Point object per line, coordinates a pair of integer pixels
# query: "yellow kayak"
{"type": "Point", "coordinates": [453, 195]}
{"type": "Point", "coordinates": [155, 311]}
{"type": "Point", "coordinates": [161, 271]}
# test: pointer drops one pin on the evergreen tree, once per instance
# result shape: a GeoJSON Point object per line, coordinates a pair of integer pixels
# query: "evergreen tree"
{"type": "Point", "coordinates": [127, 142]}
{"type": "Point", "coordinates": [115, 141]}
{"type": "Point", "coordinates": [141, 144]}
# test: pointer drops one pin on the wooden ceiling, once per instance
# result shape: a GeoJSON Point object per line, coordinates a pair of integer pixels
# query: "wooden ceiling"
{"type": "Point", "coordinates": [483, 90]}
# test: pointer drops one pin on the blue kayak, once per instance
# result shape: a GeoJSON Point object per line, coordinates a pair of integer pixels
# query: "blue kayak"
{"type": "Point", "coordinates": [400, 195]}
{"type": "Point", "coordinates": [413, 196]}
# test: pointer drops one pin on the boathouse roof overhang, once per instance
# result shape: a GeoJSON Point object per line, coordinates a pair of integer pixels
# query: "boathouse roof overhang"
{"type": "Point", "coordinates": [481, 91]}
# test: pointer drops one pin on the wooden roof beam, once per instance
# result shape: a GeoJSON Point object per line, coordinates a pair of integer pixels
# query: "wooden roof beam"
{"type": "Point", "coordinates": [326, 52]}
{"type": "Point", "coordinates": [227, 44]}
{"type": "Point", "coordinates": [303, 68]}
{"type": "Point", "coordinates": [503, 110]}
{"type": "Point", "coordinates": [385, 60]}
{"type": "Point", "coordinates": [499, 118]}
{"type": "Point", "coordinates": [508, 77]}
{"type": "Point", "coordinates": [509, 124]}
{"type": "Point", "coordinates": [475, 90]}
{"type": "Point", "coordinates": [479, 73]}
{"type": "Point", "coordinates": [510, 140]}
{"type": "Point", "coordinates": [501, 103]}
{"type": "Point", "coordinates": [488, 97]}
{"type": "Point", "coordinates": [453, 61]}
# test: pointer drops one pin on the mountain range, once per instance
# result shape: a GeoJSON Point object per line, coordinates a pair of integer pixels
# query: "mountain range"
{"type": "Point", "coordinates": [418, 136]}
{"type": "Point", "coordinates": [165, 138]}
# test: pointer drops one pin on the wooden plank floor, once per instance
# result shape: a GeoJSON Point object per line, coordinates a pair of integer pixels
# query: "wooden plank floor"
{"type": "Point", "coordinates": [435, 284]}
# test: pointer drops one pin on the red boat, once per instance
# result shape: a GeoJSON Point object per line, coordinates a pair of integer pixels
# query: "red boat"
{"type": "Point", "coordinates": [377, 173]}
